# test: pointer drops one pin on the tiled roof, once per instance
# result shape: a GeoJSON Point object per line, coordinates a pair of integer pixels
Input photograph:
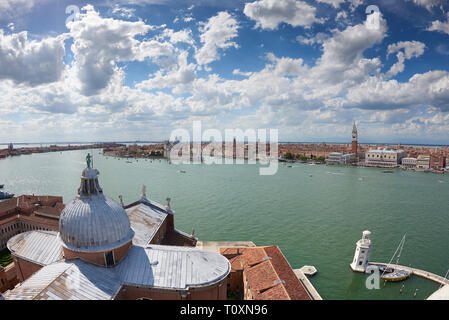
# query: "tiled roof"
{"type": "Point", "coordinates": [29, 207]}
{"type": "Point", "coordinates": [269, 275]}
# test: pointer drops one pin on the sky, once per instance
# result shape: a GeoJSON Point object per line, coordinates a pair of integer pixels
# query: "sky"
{"type": "Point", "coordinates": [115, 70]}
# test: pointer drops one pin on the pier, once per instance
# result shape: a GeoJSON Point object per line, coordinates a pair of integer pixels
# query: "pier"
{"type": "Point", "coordinates": [417, 272]}
{"type": "Point", "coordinates": [307, 284]}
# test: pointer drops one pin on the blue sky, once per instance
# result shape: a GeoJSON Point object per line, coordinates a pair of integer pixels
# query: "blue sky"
{"type": "Point", "coordinates": [125, 70]}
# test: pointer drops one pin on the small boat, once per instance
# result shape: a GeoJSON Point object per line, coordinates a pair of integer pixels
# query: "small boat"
{"type": "Point", "coordinates": [289, 166]}
{"type": "Point", "coordinates": [392, 273]}
{"type": "Point", "coordinates": [387, 171]}
{"type": "Point", "coordinates": [181, 171]}
{"type": "Point", "coordinates": [5, 195]}
{"type": "Point", "coordinates": [310, 175]}
{"type": "Point", "coordinates": [128, 162]}
{"type": "Point", "coordinates": [396, 275]}
{"type": "Point", "coordinates": [1, 186]}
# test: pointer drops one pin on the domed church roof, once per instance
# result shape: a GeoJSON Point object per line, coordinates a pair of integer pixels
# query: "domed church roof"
{"type": "Point", "coordinates": [93, 222]}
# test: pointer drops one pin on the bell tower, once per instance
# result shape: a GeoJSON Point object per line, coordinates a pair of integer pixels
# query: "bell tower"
{"type": "Point", "coordinates": [362, 253]}
{"type": "Point", "coordinates": [354, 142]}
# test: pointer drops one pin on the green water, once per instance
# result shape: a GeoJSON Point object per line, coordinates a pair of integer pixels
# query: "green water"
{"type": "Point", "coordinates": [314, 220]}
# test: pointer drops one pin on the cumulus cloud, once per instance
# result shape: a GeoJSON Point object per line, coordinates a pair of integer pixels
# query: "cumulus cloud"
{"type": "Point", "coordinates": [123, 12]}
{"type": "Point", "coordinates": [31, 62]}
{"type": "Point", "coordinates": [440, 26]}
{"type": "Point", "coordinates": [428, 4]}
{"type": "Point", "coordinates": [12, 8]}
{"type": "Point", "coordinates": [335, 3]}
{"type": "Point", "coordinates": [318, 38]}
{"type": "Point", "coordinates": [216, 34]}
{"type": "Point", "coordinates": [99, 43]}
{"type": "Point", "coordinates": [268, 14]}
{"type": "Point", "coordinates": [175, 37]}
{"type": "Point", "coordinates": [430, 88]}
{"type": "Point", "coordinates": [179, 77]}
{"type": "Point", "coordinates": [411, 49]}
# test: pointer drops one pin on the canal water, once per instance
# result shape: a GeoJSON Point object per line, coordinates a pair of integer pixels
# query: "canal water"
{"type": "Point", "coordinates": [314, 213]}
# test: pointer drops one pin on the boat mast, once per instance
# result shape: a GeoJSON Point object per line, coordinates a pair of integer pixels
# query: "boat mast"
{"type": "Point", "coordinates": [401, 245]}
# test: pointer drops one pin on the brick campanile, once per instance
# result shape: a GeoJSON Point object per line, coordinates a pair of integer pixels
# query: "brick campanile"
{"type": "Point", "coordinates": [354, 142]}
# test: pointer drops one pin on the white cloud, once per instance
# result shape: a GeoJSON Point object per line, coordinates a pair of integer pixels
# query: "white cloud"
{"type": "Point", "coordinates": [268, 14]}
{"type": "Point", "coordinates": [123, 12]}
{"type": "Point", "coordinates": [31, 62]}
{"type": "Point", "coordinates": [440, 26]}
{"type": "Point", "coordinates": [411, 49]}
{"type": "Point", "coordinates": [430, 88]}
{"type": "Point", "coordinates": [179, 77]}
{"type": "Point", "coordinates": [428, 4]}
{"type": "Point", "coordinates": [318, 38]}
{"type": "Point", "coordinates": [12, 8]}
{"type": "Point", "coordinates": [175, 37]}
{"type": "Point", "coordinates": [100, 43]}
{"type": "Point", "coordinates": [335, 3]}
{"type": "Point", "coordinates": [216, 34]}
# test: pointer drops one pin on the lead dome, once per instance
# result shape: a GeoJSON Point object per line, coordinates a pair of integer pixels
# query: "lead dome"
{"type": "Point", "coordinates": [93, 222]}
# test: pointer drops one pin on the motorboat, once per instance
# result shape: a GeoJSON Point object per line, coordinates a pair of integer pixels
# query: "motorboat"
{"type": "Point", "coordinates": [5, 195]}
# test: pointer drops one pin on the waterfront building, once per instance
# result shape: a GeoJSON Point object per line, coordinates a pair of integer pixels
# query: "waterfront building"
{"type": "Point", "coordinates": [263, 273]}
{"type": "Point", "coordinates": [437, 162]}
{"type": "Point", "coordinates": [423, 162]}
{"type": "Point", "coordinates": [362, 253]}
{"type": "Point", "coordinates": [384, 157]}
{"type": "Point", "coordinates": [340, 158]}
{"type": "Point", "coordinates": [354, 148]}
{"type": "Point", "coordinates": [409, 163]}
{"type": "Point", "coordinates": [98, 255]}
{"type": "Point", "coordinates": [447, 163]}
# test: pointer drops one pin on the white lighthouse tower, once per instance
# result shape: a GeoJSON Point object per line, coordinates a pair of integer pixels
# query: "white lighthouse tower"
{"type": "Point", "coordinates": [362, 253]}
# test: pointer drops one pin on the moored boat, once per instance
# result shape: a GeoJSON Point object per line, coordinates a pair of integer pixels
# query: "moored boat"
{"type": "Point", "coordinates": [396, 275]}
{"type": "Point", "coordinates": [5, 195]}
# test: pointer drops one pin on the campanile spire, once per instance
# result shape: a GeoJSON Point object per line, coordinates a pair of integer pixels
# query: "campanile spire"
{"type": "Point", "coordinates": [354, 142]}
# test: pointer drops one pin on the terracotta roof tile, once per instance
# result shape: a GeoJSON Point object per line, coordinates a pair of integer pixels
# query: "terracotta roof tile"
{"type": "Point", "coordinates": [268, 273]}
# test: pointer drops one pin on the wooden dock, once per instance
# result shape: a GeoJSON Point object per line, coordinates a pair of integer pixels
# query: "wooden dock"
{"type": "Point", "coordinates": [417, 272]}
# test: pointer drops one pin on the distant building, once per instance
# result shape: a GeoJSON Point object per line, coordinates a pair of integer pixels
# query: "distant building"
{"type": "Point", "coordinates": [437, 162]}
{"type": "Point", "coordinates": [447, 163]}
{"type": "Point", "coordinates": [340, 158]}
{"type": "Point", "coordinates": [384, 157]}
{"type": "Point", "coordinates": [423, 162]}
{"type": "Point", "coordinates": [409, 163]}
{"type": "Point", "coordinates": [354, 148]}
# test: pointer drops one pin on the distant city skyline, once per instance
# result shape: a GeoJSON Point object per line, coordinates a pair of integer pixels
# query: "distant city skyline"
{"type": "Point", "coordinates": [309, 68]}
